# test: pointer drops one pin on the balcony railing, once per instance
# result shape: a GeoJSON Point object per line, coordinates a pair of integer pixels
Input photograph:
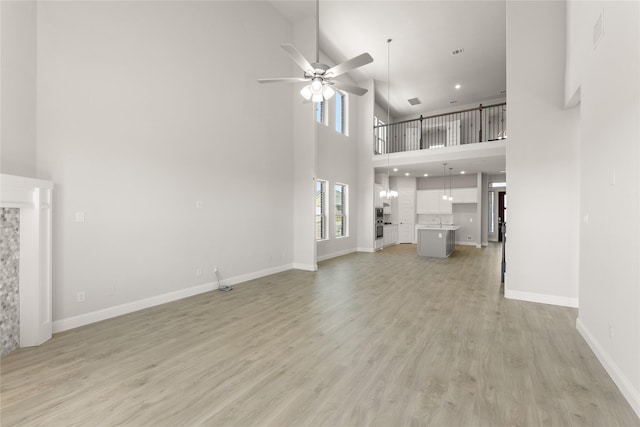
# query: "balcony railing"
{"type": "Point", "coordinates": [443, 130]}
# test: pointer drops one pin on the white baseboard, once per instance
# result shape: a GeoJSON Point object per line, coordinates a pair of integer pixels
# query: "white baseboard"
{"type": "Point", "coordinates": [466, 243]}
{"type": "Point", "coordinates": [626, 387]}
{"type": "Point", "coordinates": [365, 250]}
{"type": "Point", "coordinates": [306, 267]}
{"type": "Point", "coordinates": [540, 298]}
{"type": "Point", "coordinates": [107, 313]}
{"type": "Point", "coordinates": [257, 274]}
{"type": "Point", "coordinates": [335, 254]}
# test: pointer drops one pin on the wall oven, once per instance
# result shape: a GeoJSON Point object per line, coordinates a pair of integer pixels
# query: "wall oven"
{"type": "Point", "coordinates": [379, 223]}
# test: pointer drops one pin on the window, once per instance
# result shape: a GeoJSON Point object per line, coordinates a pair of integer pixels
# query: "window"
{"type": "Point", "coordinates": [321, 209]}
{"type": "Point", "coordinates": [341, 112]}
{"type": "Point", "coordinates": [491, 211]}
{"type": "Point", "coordinates": [341, 210]}
{"type": "Point", "coordinates": [321, 116]}
{"type": "Point", "coordinates": [380, 135]}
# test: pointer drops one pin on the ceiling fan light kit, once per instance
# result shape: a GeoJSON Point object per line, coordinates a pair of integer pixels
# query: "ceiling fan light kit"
{"type": "Point", "coordinates": [320, 76]}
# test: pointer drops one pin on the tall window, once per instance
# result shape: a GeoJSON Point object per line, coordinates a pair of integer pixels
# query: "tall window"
{"type": "Point", "coordinates": [341, 112]}
{"type": "Point", "coordinates": [321, 209]}
{"type": "Point", "coordinates": [321, 115]}
{"type": "Point", "coordinates": [381, 135]}
{"type": "Point", "coordinates": [491, 211]}
{"type": "Point", "coordinates": [341, 210]}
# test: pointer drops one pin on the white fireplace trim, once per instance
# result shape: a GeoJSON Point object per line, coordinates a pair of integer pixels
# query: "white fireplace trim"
{"type": "Point", "coordinates": [34, 198]}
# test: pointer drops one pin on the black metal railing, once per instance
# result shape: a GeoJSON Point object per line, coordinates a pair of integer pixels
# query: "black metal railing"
{"type": "Point", "coordinates": [443, 130]}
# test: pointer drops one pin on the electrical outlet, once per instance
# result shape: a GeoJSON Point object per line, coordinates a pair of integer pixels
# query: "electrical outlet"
{"type": "Point", "coordinates": [198, 272]}
{"type": "Point", "coordinates": [80, 296]}
{"type": "Point", "coordinates": [215, 269]}
{"type": "Point", "coordinates": [468, 237]}
{"type": "Point", "coordinates": [199, 204]}
{"type": "Point", "coordinates": [79, 216]}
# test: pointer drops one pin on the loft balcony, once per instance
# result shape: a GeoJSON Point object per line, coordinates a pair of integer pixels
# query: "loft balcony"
{"type": "Point", "coordinates": [471, 126]}
{"type": "Point", "coordinates": [472, 133]}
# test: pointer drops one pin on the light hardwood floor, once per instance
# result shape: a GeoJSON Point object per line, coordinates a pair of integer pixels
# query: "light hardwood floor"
{"type": "Point", "coordinates": [382, 339]}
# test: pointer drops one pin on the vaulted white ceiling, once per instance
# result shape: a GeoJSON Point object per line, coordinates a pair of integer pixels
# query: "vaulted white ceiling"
{"type": "Point", "coordinates": [424, 35]}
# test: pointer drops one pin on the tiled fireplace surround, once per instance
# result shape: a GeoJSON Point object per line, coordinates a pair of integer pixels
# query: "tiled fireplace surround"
{"type": "Point", "coordinates": [25, 251]}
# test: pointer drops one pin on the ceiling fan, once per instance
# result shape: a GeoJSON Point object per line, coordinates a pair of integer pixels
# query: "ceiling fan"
{"type": "Point", "coordinates": [321, 76]}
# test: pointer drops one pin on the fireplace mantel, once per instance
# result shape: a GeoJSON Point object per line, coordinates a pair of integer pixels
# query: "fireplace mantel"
{"type": "Point", "coordinates": [34, 198]}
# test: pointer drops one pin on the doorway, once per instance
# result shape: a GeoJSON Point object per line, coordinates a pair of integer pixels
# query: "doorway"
{"type": "Point", "coordinates": [407, 215]}
{"type": "Point", "coordinates": [502, 212]}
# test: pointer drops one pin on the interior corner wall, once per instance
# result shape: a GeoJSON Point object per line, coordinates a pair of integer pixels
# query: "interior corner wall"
{"type": "Point", "coordinates": [18, 88]}
{"type": "Point", "coordinates": [304, 165]}
{"type": "Point", "coordinates": [609, 313]}
{"type": "Point", "coordinates": [154, 129]}
{"type": "Point", "coordinates": [542, 158]}
{"type": "Point", "coordinates": [366, 214]}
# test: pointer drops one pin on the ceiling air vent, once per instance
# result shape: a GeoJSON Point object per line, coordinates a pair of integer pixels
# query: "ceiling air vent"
{"type": "Point", "coordinates": [457, 51]}
{"type": "Point", "coordinates": [414, 101]}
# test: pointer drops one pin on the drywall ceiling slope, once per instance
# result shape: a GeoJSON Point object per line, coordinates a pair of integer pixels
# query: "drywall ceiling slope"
{"type": "Point", "coordinates": [424, 34]}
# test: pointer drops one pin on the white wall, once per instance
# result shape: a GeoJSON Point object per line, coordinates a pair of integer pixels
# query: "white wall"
{"type": "Point", "coordinates": [606, 78]}
{"type": "Point", "coordinates": [143, 109]}
{"type": "Point", "coordinates": [304, 156]}
{"type": "Point", "coordinates": [336, 157]}
{"type": "Point", "coordinates": [366, 202]}
{"type": "Point", "coordinates": [18, 88]}
{"type": "Point", "coordinates": [542, 158]}
{"type": "Point", "coordinates": [380, 111]}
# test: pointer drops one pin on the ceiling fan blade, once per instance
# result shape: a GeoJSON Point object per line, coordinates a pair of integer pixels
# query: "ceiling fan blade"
{"type": "Point", "coordinates": [283, 80]}
{"type": "Point", "coordinates": [348, 87]}
{"type": "Point", "coordinates": [298, 58]}
{"type": "Point", "coordinates": [349, 65]}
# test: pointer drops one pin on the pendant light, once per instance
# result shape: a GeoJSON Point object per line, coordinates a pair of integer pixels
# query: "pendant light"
{"type": "Point", "coordinates": [444, 181]}
{"type": "Point", "coordinates": [388, 193]}
{"type": "Point", "coordinates": [450, 190]}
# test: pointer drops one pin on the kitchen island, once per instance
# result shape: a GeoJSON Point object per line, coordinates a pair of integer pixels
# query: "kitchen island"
{"type": "Point", "coordinates": [436, 241]}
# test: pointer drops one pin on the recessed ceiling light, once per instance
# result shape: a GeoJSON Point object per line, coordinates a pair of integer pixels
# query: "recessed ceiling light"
{"type": "Point", "coordinates": [461, 172]}
{"type": "Point", "coordinates": [426, 174]}
{"type": "Point", "coordinates": [406, 174]}
{"type": "Point", "coordinates": [458, 86]}
{"type": "Point", "coordinates": [395, 169]}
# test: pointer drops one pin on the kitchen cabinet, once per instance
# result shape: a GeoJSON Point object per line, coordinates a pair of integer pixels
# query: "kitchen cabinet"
{"type": "Point", "coordinates": [430, 202]}
{"type": "Point", "coordinates": [390, 236]}
{"type": "Point", "coordinates": [436, 242]}
{"type": "Point", "coordinates": [465, 195]}
{"type": "Point", "coordinates": [376, 196]}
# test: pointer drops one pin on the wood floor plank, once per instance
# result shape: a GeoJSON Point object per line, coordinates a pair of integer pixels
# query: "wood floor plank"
{"type": "Point", "coordinates": [371, 339]}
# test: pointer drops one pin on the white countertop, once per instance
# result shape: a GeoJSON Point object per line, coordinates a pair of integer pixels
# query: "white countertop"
{"type": "Point", "coordinates": [438, 227]}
